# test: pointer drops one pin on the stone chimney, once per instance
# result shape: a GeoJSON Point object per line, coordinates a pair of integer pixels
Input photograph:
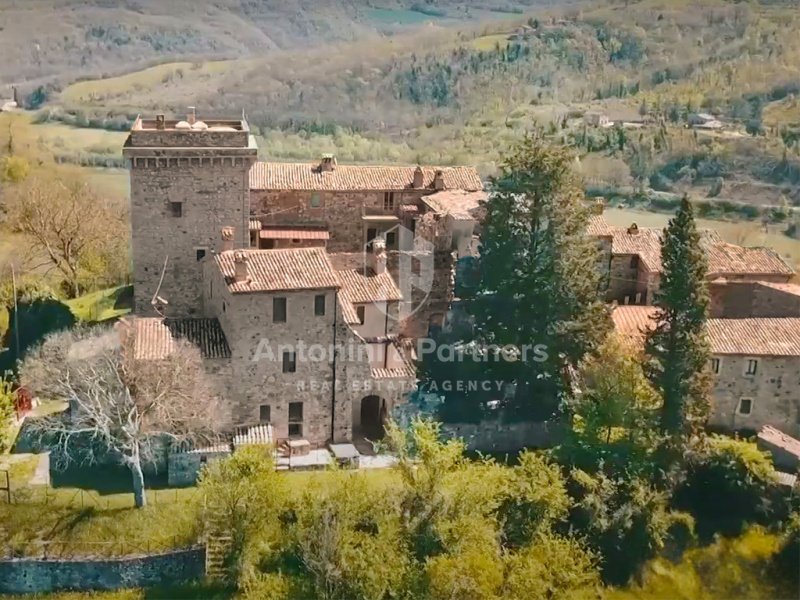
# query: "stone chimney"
{"type": "Point", "coordinates": [438, 180]}
{"type": "Point", "coordinates": [599, 206]}
{"type": "Point", "coordinates": [419, 177]}
{"type": "Point", "coordinates": [160, 122]}
{"type": "Point", "coordinates": [191, 117]}
{"type": "Point", "coordinates": [633, 229]}
{"type": "Point", "coordinates": [241, 268]}
{"type": "Point", "coordinates": [227, 239]}
{"type": "Point", "coordinates": [377, 258]}
{"type": "Point", "coordinates": [328, 163]}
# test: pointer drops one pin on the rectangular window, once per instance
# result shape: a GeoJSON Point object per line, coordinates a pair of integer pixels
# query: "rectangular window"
{"type": "Point", "coordinates": [295, 430]}
{"type": "Point", "coordinates": [295, 412]}
{"type": "Point", "coordinates": [289, 362]}
{"type": "Point", "coordinates": [361, 313]}
{"type": "Point", "coordinates": [715, 364]}
{"type": "Point", "coordinates": [264, 413]}
{"type": "Point", "coordinates": [745, 406]}
{"type": "Point", "coordinates": [279, 310]}
{"type": "Point", "coordinates": [388, 201]}
{"type": "Point", "coordinates": [372, 233]}
{"type": "Point", "coordinates": [391, 239]}
{"type": "Point", "coordinates": [176, 209]}
{"type": "Point", "coordinates": [315, 200]}
{"type": "Point", "coordinates": [200, 254]}
{"type": "Point", "coordinates": [635, 261]}
{"type": "Point", "coordinates": [752, 366]}
{"type": "Point", "coordinates": [319, 305]}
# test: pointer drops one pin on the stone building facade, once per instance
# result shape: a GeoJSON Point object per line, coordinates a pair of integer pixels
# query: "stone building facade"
{"type": "Point", "coordinates": [755, 363]}
{"type": "Point", "coordinates": [298, 282]}
{"type": "Point", "coordinates": [632, 265]}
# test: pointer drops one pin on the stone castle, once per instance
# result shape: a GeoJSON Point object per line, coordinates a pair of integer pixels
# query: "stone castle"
{"type": "Point", "coordinates": [304, 285]}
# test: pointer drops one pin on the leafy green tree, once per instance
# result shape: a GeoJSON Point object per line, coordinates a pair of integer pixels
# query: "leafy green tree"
{"type": "Point", "coordinates": [539, 285]}
{"type": "Point", "coordinates": [552, 568]}
{"type": "Point", "coordinates": [734, 474]}
{"type": "Point", "coordinates": [614, 418]}
{"type": "Point", "coordinates": [243, 497]}
{"type": "Point", "coordinates": [625, 520]}
{"type": "Point", "coordinates": [677, 347]}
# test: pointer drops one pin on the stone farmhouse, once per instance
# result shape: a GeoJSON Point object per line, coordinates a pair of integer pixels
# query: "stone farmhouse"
{"type": "Point", "coordinates": [755, 363]}
{"type": "Point", "coordinates": [304, 285]}
{"type": "Point", "coordinates": [754, 329]}
{"type": "Point", "coordinates": [630, 260]}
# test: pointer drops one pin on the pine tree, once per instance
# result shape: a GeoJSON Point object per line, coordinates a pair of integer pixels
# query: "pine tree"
{"type": "Point", "coordinates": [539, 285]}
{"type": "Point", "coordinates": [677, 348]}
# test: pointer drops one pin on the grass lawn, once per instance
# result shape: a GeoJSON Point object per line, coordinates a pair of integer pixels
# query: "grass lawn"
{"type": "Point", "coordinates": [102, 305]}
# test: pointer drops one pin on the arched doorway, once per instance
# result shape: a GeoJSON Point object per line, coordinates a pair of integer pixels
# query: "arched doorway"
{"type": "Point", "coordinates": [373, 417]}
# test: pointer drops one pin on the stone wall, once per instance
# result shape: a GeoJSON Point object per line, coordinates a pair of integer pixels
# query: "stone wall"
{"type": "Point", "coordinates": [211, 187]}
{"type": "Point", "coordinates": [746, 299]}
{"type": "Point", "coordinates": [341, 212]}
{"type": "Point", "coordinates": [773, 390]}
{"type": "Point", "coordinates": [496, 436]}
{"type": "Point", "coordinates": [28, 576]}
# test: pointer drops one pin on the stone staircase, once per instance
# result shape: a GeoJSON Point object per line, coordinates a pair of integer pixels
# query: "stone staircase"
{"type": "Point", "coordinates": [217, 548]}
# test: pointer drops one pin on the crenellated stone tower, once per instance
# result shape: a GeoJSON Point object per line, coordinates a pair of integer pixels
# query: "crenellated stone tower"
{"type": "Point", "coordinates": [189, 179]}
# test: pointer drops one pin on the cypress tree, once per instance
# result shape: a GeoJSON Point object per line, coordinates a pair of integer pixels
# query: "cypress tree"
{"type": "Point", "coordinates": [677, 348]}
{"type": "Point", "coordinates": [539, 286]}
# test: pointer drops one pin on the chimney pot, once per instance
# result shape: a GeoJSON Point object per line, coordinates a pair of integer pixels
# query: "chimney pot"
{"type": "Point", "coordinates": [377, 258]}
{"type": "Point", "coordinates": [241, 268]}
{"type": "Point", "coordinates": [192, 116]}
{"type": "Point", "coordinates": [599, 206]}
{"type": "Point", "coordinates": [227, 238]}
{"type": "Point", "coordinates": [160, 122]}
{"type": "Point", "coordinates": [419, 177]}
{"type": "Point", "coordinates": [328, 163]}
{"type": "Point", "coordinates": [438, 180]}
{"type": "Point", "coordinates": [633, 229]}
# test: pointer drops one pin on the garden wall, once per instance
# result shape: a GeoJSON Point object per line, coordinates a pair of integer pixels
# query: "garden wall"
{"type": "Point", "coordinates": [27, 575]}
{"type": "Point", "coordinates": [496, 436]}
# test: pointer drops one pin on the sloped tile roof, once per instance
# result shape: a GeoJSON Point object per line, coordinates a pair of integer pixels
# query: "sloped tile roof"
{"type": "Point", "coordinates": [599, 226]}
{"type": "Point", "coordinates": [308, 176]}
{"type": "Point", "coordinates": [723, 258]}
{"type": "Point", "coordinates": [155, 337]}
{"type": "Point", "coordinates": [280, 270]}
{"type": "Point", "coordinates": [633, 322]}
{"type": "Point", "coordinates": [406, 371]}
{"type": "Point", "coordinates": [358, 288]}
{"type": "Point", "coordinates": [786, 288]}
{"type": "Point", "coordinates": [743, 337]}
{"type": "Point", "coordinates": [755, 337]}
{"type": "Point", "coordinates": [459, 204]}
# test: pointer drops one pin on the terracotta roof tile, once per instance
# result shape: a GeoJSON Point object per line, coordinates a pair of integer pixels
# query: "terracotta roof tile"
{"type": "Point", "coordinates": [755, 337]}
{"type": "Point", "coordinates": [360, 289]}
{"type": "Point", "coordinates": [280, 270]}
{"type": "Point", "coordinates": [599, 226]}
{"type": "Point", "coordinates": [459, 204]}
{"type": "Point", "coordinates": [743, 337]}
{"type": "Point", "coordinates": [255, 224]}
{"type": "Point", "coordinates": [155, 337]}
{"type": "Point", "coordinates": [723, 258]}
{"type": "Point", "coordinates": [307, 176]}
{"type": "Point", "coordinates": [786, 288]}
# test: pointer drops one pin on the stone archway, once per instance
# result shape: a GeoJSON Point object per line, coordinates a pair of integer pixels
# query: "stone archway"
{"type": "Point", "coordinates": [373, 417]}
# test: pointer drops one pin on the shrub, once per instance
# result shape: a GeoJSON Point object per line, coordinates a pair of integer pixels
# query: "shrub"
{"type": "Point", "coordinates": [733, 474]}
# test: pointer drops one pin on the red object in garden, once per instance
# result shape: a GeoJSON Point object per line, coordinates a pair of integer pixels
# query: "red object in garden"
{"type": "Point", "coordinates": [23, 402]}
